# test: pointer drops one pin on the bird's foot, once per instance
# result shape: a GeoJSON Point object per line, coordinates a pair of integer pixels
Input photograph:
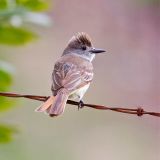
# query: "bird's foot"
{"type": "Point", "coordinates": [80, 104]}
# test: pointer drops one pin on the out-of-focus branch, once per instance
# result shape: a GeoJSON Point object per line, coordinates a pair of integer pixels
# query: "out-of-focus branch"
{"type": "Point", "coordinates": [137, 111]}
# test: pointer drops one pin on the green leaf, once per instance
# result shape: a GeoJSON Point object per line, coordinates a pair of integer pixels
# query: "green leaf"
{"type": "Point", "coordinates": [6, 133]}
{"type": "Point", "coordinates": [5, 80]}
{"type": "Point", "coordinates": [3, 4]}
{"type": "Point", "coordinates": [15, 36]}
{"type": "Point", "coordinates": [6, 103]}
{"type": "Point", "coordinates": [6, 72]}
{"type": "Point", "coordinates": [34, 5]}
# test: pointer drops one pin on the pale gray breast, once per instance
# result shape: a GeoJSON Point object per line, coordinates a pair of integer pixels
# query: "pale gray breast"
{"type": "Point", "coordinates": [71, 73]}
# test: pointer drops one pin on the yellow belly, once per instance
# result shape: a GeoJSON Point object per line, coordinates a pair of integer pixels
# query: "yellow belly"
{"type": "Point", "coordinates": [79, 93]}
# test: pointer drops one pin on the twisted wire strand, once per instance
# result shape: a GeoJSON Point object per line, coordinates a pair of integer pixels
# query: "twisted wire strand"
{"type": "Point", "coordinates": [139, 111]}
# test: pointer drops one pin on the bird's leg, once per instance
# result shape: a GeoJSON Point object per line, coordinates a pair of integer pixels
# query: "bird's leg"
{"type": "Point", "coordinates": [80, 104]}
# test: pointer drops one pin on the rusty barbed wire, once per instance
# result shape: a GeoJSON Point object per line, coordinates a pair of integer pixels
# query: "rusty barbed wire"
{"type": "Point", "coordinates": [139, 111]}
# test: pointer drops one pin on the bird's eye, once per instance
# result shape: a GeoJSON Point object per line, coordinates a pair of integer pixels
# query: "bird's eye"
{"type": "Point", "coordinates": [84, 47]}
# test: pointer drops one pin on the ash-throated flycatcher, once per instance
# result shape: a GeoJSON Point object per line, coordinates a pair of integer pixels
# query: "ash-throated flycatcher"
{"type": "Point", "coordinates": [72, 74]}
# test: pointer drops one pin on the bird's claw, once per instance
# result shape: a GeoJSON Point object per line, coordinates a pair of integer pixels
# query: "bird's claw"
{"type": "Point", "coordinates": [80, 104]}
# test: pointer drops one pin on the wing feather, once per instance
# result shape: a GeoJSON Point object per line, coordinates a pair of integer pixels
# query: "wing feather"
{"type": "Point", "coordinates": [71, 76]}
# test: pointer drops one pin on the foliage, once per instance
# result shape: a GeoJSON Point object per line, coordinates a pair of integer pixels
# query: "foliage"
{"type": "Point", "coordinates": [17, 18]}
{"type": "Point", "coordinates": [6, 72]}
{"type": "Point", "coordinates": [15, 36]}
{"type": "Point", "coordinates": [3, 4]}
{"type": "Point", "coordinates": [34, 5]}
{"type": "Point", "coordinates": [6, 133]}
{"type": "Point", "coordinates": [5, 78]}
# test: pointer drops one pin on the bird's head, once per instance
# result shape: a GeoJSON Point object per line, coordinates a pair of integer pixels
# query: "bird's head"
{"type": "Point", "coordinates": [81, 45]}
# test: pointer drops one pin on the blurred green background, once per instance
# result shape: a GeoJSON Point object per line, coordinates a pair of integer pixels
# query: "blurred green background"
{"type": "Point", "coordinates": [33, 34]}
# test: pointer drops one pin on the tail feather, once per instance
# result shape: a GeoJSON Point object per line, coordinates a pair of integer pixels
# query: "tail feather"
{"type": "Point", "coordinates": [59, 104]}
{"type": "Point", "coordinates": [46, 104]}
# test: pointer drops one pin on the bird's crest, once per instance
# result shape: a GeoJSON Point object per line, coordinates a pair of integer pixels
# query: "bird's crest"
{"type": "Point", "coordinates": [80, 38]}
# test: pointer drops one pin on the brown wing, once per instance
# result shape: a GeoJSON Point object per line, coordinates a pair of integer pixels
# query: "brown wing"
{"type": "Point", "coordinates": [71, 74]}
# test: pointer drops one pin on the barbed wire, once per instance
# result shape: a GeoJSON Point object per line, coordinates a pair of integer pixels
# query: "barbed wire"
{"type": "Point", "coordinates": [139, 111]}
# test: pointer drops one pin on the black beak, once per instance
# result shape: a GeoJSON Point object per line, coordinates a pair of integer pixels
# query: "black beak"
{"type": "Point", "coordinates": [96, 50]}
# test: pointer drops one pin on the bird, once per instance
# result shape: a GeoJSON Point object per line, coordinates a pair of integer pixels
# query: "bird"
{"type": "Point", "coordinates": [72, 74]}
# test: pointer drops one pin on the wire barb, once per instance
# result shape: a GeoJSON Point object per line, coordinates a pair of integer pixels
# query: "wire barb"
{"type": "Point", "coordinates": [139, 111]}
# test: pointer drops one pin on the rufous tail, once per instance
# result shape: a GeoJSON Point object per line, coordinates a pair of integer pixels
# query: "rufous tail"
{"type": "Point", "coordinates": [55, 106]}
{"type": "Point", "coordinates": [59, 104]}
{"type": "Point", "coordinates": [46, 104]}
